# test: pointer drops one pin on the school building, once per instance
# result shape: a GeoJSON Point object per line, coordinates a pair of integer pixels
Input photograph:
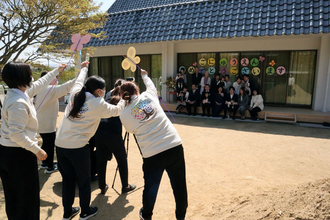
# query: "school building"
{"type": "Point", "coordinates": [284, 45]}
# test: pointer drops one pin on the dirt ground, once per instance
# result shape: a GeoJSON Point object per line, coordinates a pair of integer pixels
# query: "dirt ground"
{"type": "Point", "coordinates": [235, 170]}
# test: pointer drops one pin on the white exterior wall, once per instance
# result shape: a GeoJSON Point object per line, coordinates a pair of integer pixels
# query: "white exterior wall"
{"type": "Point", "coordinates": [170, 49]}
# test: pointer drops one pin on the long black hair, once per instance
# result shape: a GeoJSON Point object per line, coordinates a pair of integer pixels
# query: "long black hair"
{"type": "Point", "coordinates": [92, 83]}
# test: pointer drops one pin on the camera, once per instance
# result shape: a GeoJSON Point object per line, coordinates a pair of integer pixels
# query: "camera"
{"type": "Point", "coordinates": [132, 79]}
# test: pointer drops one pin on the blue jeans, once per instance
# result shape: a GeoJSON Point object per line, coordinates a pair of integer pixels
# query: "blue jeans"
{"type": "Point", "coordinates": [172, 161]}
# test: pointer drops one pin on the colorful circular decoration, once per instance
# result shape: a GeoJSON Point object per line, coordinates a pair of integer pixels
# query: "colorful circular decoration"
{"type": "Point", "coordinates": [201, 70]}
{"type": "Point", "coordinates": [182, 67]}
{"type": "Point", "coordinates": [245, 71]}
{"type": "Point", "coordinates": [245, 62]}
{"type": "Point", "coordinates": [211, 61]}
{"type": "Point", "coordinates": [272, 63]}
{"type": "Point", "coordinates": [255, 71]}
{"type": "Point", "coordinates": [224, 70]}
{"type": "Point", "coordinates": [202, 62]}
{"type": "Point", "coordinates": [280, 70]}
{"type": "Point", "coordinates": [233, 62]}
{"type": "Point", "coordinates": [270, 70]}
{"type": "Point", "coordinates": [191, 70]}
{"type": "Point", "coordinates": [223, 62]}
{"type": "Point", "coordinates": [234, 71]}
{"type": "Point", "coordinates": [254, 62]}
{"type": "Point", "coordinates": [211, 70]}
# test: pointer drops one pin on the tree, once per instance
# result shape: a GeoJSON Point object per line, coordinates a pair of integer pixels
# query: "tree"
{"type": "Point", "coordinates": [47, 24]}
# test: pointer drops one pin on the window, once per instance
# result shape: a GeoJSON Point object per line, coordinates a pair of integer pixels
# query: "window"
{"type": "Point", "coordinates": [156, 72]}
{"type": "Point", "coordinates": [301, 78]}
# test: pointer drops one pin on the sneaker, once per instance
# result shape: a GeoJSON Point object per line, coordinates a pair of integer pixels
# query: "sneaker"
{"type": "Point", "coordinates": [141, 217]}
{"type": "Point", "coordinates": [43, 166]}
{"type": "Point", "coordinates": [52, 170]}
{"type": "Point", "coordinates": [75, 211]}
{"type": "Point", "coordinates": [92, 212]}
{"type": "Point", "coordinates": [103, 191]}
{"type": "Point", "coordinates": [130, 188]}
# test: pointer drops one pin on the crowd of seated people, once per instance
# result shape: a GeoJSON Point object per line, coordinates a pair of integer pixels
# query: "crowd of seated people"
{"type": "Point", "coordinates": [217, 95]}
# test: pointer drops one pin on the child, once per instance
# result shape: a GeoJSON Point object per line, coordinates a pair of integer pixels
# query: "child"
{"type": "Point", "coordinates": [181, 102]}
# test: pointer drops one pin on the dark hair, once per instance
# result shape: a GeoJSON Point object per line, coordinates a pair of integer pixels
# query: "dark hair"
{"type": "Point", "coordinates": [128, 89]}
{"type": "Point", "coordinates": [92, 83]}
{"type": "Point", "coordinates": [256, 91]}
{"type": "Point", "coordinates": [114, 100]}
{"type": "Point", "coordinates": [226, 75]}
{"type": "Point", "coordinates": [43, 74]}
{"type": "Point", "coordinates": [247, 75]}
{"type": "Point", "coordinates": [118, 82]}
{"type": "Point", "coordinates": [243, 89]}
{"type": "Point", "coordinates": [222, 77]}
{"type": "Point", "coordinates": [238, 78]}
{"type": "Point", "coordinates": [219, 88]}
{"type": "Point", "coordinates": [232, 87]}
{"type": "Point", "coordinates": [207, 85]}
{"type": "Point", "coordinates": [16, 74]}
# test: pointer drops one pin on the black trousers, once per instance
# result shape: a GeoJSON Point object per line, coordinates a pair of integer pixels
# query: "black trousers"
{"type": "Point", "coordinates": [48, 145]}
{"type": "Point", "coordinates": [231, 108]}
{"type": "Point", "coordinates": [20, 180]}
{"type": "Point", "coordinates": [254, 112]}
{"type": "Point", "coordinates": [74, 166]}
{"type": "Point", "coordinates": [206, 106]}
{"type": "Point", "coordinates": [105, 147]}
{"type": "Point", "coordinates": [216, 109]}
{"type": "Point", "coordinates": [173, 162]}
{"type": "Point", "coordinates": [192, 105]}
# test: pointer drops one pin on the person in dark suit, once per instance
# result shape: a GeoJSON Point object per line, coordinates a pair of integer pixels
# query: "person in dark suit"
{"type": "Point", "coordinates": [250, 83]}
{"type": "Point", "coordinates": [215, 84]}
{"type": "Point", "coordinates": [196, 77]}
{"type": "Point", "coordinates": [193, 99]}
{"type": "Point", "coordinates": [219, 102]}
{"type": "Point", "coordinates": [231, 103]}
{"type": "Point", "coordinates": [206, 100]}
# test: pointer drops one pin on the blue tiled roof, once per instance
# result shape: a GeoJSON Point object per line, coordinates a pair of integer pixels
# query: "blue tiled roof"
{"type": "Point", "coordinates": [166, 20]}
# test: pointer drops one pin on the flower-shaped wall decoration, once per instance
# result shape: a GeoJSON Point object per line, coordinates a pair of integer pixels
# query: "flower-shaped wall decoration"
{"type": "Point", "coordinates": [261, 59]}
{"type": "Point", "coordinates": [272, 63]}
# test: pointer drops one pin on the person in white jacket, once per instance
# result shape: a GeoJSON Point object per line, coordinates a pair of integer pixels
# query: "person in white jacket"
{"type": "Point", "coordinates": [47, 106]}
{"type": "Point", "coordinates": [206, 80]}
{"type": "Point", "coordinates": [160, 145]}
{"type": "Point", "coordinates": [80, 121]}
{"type": "Point", "coordinates": [19, 148]}
{"type": "Point", "coordinates": [256, 105]}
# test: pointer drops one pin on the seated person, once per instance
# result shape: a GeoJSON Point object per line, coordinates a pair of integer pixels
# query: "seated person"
{"type": "Point", "coordinates": [257, 105]}
{"type": "Point", "coordinates": [206, 100]}
{"type": "Point", "coordinates": [181, 102]}
{"type": "Point", "coordinates": [179, 83]}
{"type": "Point", "coordinates": [231, 103]}
{"type": "Point", "coordinates": [243, 102]}
{"type": "Point", "coordinates": [193, 100]}
{"type": "Point", "coordinates": [218, 102]}
{"type": "Point", "coordinates": [186, 93]}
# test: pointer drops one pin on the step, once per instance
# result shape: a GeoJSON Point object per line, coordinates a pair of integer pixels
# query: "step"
{"type": "Point", "coordinates": [281, 121]}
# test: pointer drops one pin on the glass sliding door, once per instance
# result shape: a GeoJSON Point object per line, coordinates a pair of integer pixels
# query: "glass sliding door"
{"type": "Point", "coordinates": [117, 71]}
{"type": "Point", "coordinates": [156, 72]}
{"type": "Point", "coordinates": [251, 65]}
{"type": "Point", "coordinates": [301, 78]}
{"type": "Point", "coordinates": [185, 60]}
{"type": "Point", "coordinates": [276, 77]}
{"type": "Point", "coordinates": [104, 70]}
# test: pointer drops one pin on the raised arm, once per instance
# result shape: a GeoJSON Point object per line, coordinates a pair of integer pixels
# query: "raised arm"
{"type": "Point", "coordinates": [149, 84]}
{"type": "Point", "coordinates": [79, 83]}
{"type": "Point", "coordinates": [107, 110]}
{"type": "Point", "coordinates": [43, 82]}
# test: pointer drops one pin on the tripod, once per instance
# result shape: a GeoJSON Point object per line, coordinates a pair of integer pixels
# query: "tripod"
{"type": "Point", "coordinates": [126, 137]}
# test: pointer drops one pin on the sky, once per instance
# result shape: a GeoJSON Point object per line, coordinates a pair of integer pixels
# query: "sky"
{"type": "Point", "coordinates": [105, 6]}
